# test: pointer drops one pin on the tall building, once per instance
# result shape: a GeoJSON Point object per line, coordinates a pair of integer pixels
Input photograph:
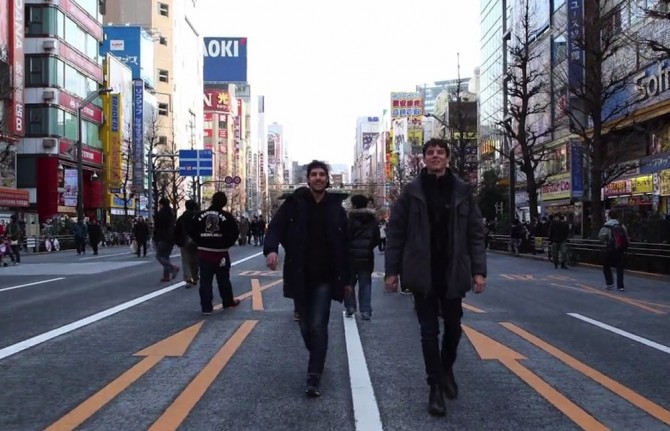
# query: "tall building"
{"type": "Point", "coordinates": [367, 130]}
{"type": "Point", "coordinates": [263, 203]}
{"type": "Point", "coordinates": [431, 92]}
{"type": "Point", "coordinates": [62, 68]}
{"type": "Point", "coordinates": [12, 112]}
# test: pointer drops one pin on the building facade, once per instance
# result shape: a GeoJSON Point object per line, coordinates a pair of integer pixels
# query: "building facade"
{"type": "Point", "coordinates": [367, 130]}
{"type": "Point", "coordinates": [62, 67]}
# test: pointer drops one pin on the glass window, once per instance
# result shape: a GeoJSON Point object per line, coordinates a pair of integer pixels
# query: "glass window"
{"type": "Point", "coordinates": [558, 4]}
{"type": "Point", "coordinates": [90, 6]}
{"type": "Point", "coordinates": [43, 20]}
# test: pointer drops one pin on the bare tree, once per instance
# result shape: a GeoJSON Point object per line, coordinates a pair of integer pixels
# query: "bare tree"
{"type": "Point", "coordinates": [154, 146]}
{"type": "Point", "coordinates": [176, 188]}
{"type": "Point", "coordinates": [528, 85]}
{"type": "Point", "coordinates": [597, 79]}
{"type": "Point", "coordinates": [402, 173]}
{"type": "Point", "coordinates": [462, 122]}
{"type": "Point", "coordinates": [653, 32]}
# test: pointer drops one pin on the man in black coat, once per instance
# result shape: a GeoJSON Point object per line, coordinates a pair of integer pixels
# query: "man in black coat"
{"type": "Point", "coordinates": [164, 226]}
{"type": "Point", "coordinates": [435, 244]}
{"type": "Point", "coordinates": [363, 238]}
{"type": "Point", "coordinates": [94, 235]}
{"type": "Point", "coordinates": [311, 225]}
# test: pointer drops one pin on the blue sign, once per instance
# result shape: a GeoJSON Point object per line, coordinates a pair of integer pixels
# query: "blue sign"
{"type": "Point", "coordinates": [195, 163]}
{"type": "Point", "coordinates": [138, 133]}
{"type": "Point", "coordinates": [655, 163]}
{"type": "Point", "coordinates": [115, 113]}
{"type": "Point", "coordinates": [133, 46]}
{"type": "Point", "coordinates": [577, 168]}
{"type": "Point", "coordinates": [575, 48]}
{"type": "Point", "coordinates": [225, 59]}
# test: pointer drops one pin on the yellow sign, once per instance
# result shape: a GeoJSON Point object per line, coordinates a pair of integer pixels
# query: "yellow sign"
{"type": "Point", "coordinates": [415, 136]}
{"type": "Point", "coordinates": [664, 182]}
{"type": "Point", "coordinates": [112, 141]}
{"type": "Point", "coordinates": [643, 184]}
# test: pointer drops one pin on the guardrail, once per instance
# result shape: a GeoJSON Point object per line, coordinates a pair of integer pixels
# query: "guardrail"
{"type": "Point", "coordinates": [641, 256]}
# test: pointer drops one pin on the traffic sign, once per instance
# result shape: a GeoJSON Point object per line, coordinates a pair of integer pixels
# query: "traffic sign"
{"type": "Point", "coordinates": [228, 180]}
{"type": "Point", "coordinates": [195, 163]}
{"type": "Point", "coordinates": [237, 180]}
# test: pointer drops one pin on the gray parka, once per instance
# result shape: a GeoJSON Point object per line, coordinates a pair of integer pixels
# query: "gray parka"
{"type": "Point", "coordinates": [408, 240]}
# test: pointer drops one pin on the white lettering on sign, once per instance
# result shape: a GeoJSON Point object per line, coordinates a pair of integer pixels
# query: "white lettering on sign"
{"type": "Point", "coordinates": [654, 84]}
{"type": "Point", "coordinates": [222, 48]}
{"type": "Point", "coordinates": [18, 35]}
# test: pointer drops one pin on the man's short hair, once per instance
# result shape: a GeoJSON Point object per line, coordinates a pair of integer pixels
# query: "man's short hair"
{"type": "Point", "coordinates": [318, 164]}
{"type": "Point", "coordinates": [359, 201]}
{"type": "Point", "coordinates": [219, 200]}
{"type": "Point", "coordinates": [435, 142]}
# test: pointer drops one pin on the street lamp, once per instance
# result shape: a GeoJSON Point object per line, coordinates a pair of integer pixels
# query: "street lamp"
{"type": "Point", "coordinates": [80, 161]}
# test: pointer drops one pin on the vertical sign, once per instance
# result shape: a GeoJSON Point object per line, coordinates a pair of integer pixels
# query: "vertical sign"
{"type": "Point", "coordinates": [114, 161]}
{"type": "Point", "coordinates": [138, 133]}
{"type": "Point", "coordinates": [575, 49]}
{"type": "Point", "coordinates": [16, 44]}
{"type": "Point", "coordinates": [577, 168]}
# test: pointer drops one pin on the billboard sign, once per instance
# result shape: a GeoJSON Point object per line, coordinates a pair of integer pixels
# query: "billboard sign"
{"type": "Point", "coordinates": [217, 100]}
{"type": "Point", "coordinates": [114, 156]}
{"type": "Point", "coordinates": [368, 138]}
{"type": "Point", "coordinates": [575, 48]}
{"type": "Point", "coordinates": [16, 114]}
{"type": "Point", "coordinates": [134, 47]}
{"type": "Point", "coordinates": [138, 133]}
{"type": "Point", "coordinates": [406, 105]}
{"type": "Point", "coordinates": [194, 163]}
{"type": "Point", "coordinates": [225, 59]}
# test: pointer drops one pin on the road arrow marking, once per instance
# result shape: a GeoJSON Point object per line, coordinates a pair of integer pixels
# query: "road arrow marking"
{"type": "Point", "coordinates": [175, 345]}
{"type": "Point", "coordinates": [473, 308]}
{"type": "Point", "coordinates": [173, 417]}
{"type": "Point", "coordinates": [256, 295]}
{"type": "Point", "coordinates": [488, 348]}
{"type": "Point", "coordinates": [246, 295]}
{"type": "Point", "coordinates": [628, 394]}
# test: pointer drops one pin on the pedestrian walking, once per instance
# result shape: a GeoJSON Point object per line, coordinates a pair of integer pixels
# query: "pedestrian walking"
{"type": "Point", "coordinates": [80, 233]}
{"type": "Point", "coordinates": [184, 240]}
{"type": "Point", "coordinates": [382, 235]}
{"type": "Point", "coordinates": [94, 235]}
{"type": "Point", "coordinates": [435, 244]}
{"type": "Point", "coordinates": [363, 238]}
{"type": "Point", "coordinates": [215, 232]}
{"type": "Point", "coordinates": [615, 237]}
{"type": "Point", "coordinates": [141, 234]}
{"type": "Point", "coordinates": [558, 237]}
{"type": "Point", "coordinates": [14, 234]}
{"type": "Point", "coordinates": [311, 225]}
{"type": "Point", "coordinates": [164, 227]}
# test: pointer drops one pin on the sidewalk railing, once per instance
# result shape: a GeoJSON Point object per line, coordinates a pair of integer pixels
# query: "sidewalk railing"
{"type": "Point", "coordinates": [648, 257]}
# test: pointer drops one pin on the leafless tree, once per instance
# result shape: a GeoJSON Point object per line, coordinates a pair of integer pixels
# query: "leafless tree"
{"type": "Point", "coordinates": [528, 84]}
{"type": "Point", "coordinates": [598, 81]}
{"type": "Point", "coordinates": [176, 187]}
{"type": "Point", "coordinates": [462, 122]}
{"type": "Point", "coordinates": [654, 21]}
{"type": "Point", "coordinates": [403, 171]}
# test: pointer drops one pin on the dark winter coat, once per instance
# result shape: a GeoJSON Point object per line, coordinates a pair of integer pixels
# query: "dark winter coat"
{"type": "Point", "coordinates": [94, 233]}
{"type": "Point", "coordinates": [164, 225]}
{"type": "Point", "coordinates": [363, 238]}
{"type": "Point", "coordinates": [215, 230]}
{"type": "Point", "coordinates": [408, 251]}
{"type": "Point", "coordinates": [289, 228]}
{"type": "Point", "coordinates": [184, 229]}
{"type": "Point", "coordinates": [141, 231]}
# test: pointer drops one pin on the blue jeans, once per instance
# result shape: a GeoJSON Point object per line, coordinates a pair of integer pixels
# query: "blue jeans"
{"type": "Point", "coordinates": [364, 280]}
{"type": "Point", "coordinates": [314, 317]}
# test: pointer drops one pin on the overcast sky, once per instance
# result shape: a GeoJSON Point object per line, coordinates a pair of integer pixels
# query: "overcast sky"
{"type": "Point", "coordinates": [321, 64]}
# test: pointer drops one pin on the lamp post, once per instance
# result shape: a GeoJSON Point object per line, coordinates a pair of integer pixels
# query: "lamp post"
{"type": "Point", "coordinates": [80, 161]}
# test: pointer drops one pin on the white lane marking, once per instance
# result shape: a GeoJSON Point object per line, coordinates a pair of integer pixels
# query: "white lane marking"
{"type": "Point", "coordinates": [366, 410]}
{"type": "Point", "coordinates": [642, 340]}
{"type": "Point", "coordinates": [102, 256]}
{"type": "Point", "coordinates": [39, 339]}
{"type": "Point", "coordinates": [4, 289]}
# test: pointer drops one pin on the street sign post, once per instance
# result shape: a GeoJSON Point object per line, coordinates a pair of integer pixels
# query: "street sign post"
{"type": "Point", "coordinates": [195, 163]}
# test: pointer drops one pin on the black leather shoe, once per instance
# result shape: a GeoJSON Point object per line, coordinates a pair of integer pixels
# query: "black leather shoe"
{"type": "Point", "coordinates": [449, 385]}
{"type": "Point", "coordinates": [436, 405]}
{"type": "Point", "coordinates": [312, 388]}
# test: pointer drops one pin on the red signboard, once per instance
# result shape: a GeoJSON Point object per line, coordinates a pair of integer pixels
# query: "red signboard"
{"type": "Point", "coordinates": [14, 198]}
{"type": "Point", "coordinates": [208, 133]}
{"type": "Point", "coordinates": [83, 18]}
{"type": "Point", "coordinates": [92, 69]}
{"type": "Point", "coordinates": [90, 112]}
{"type": "Point", "coordinates": [16, 114]}
{"type": "Point", "coordinates": [223, 133]}
{"type": "Point", "coordinates": [217, 100]}
{"type": "Point", "coordinates": [91, 156]}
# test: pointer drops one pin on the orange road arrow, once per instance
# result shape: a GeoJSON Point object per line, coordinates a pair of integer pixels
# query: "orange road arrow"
{"type": "Point", "coordinates": [487, 348]}
{"type": "Point", "coordinates": [626, 393]}
{"type": "Point", "coordinates": [175, 345]}
{"type": "Point", "coordinates": [246, 295]}
{"type": "Point", "coordinates": [256, 295]}
{"type": "Point", "coordinates": [173, 417]}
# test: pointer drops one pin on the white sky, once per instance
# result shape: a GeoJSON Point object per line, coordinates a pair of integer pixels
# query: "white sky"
{"type": "Point", "coordinates": [321, 64]}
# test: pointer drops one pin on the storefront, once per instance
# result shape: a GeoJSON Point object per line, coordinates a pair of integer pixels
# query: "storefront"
{"type": "Point", "coordinates": [662, 191]}
{"type": "Point", "coordinates": [631, 195]}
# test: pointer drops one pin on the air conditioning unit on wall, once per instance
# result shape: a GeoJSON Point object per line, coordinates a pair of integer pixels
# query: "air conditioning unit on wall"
{"type": "Point", "coordinates": [48, 95]}
{"type": "Point", "coordinates": [49, 143]}
{"type": "Point", "coordinates": [49, 44]}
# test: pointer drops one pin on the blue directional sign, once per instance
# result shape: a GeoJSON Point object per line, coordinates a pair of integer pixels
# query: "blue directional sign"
{"type": "Point", "coordinates": [195, 163]}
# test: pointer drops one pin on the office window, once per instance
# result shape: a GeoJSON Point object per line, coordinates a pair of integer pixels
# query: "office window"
{"type": "Point", "coordinates": [163, 9]}
{"type": "Point", "coordinates": [162, 140]}
{"type": "Point", "coordinates": [163, 75]}
{"type": "Point", "coordinates": [163, 40]}
{"type": "Point", "coordinates": [163, 109]}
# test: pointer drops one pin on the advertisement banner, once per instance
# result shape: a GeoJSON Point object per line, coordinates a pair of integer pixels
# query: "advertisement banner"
{"type": "Point", "coordinates": [664, 182]}
{"type": "Point", "coordinates": [557, 187]}
{"type": "Point", "coordinates": [4, 32]}
{"type": "Point", "coordinates": [217, 101]}
{"type": "Point", "coordinates": [15, 198]}
{"type": "Point", "coordinates": [133, 46]}
{"type": "Point", "coordinates": [90, 156]}
{"type": "Point", "coordinates": [89, 112]}
{"type": "Point", "coordinates": [577, 168]}
{"type": "Point", "coordinates": [7, 165]}
{"type": "Point", "coordinates": [644, 184]}
{"type": "Point", "coordinates": [618, 188]}
{"type": "Point", "coordinates": [368, 139]}
{"type": "Point", "coordinates": [225, 59]}
{"type": "Point", "coordinates": [114, 159]}
{"type": "Point", "coordinates": [138, 133]}
{"type": "Point", "coordinates": [405, 104]}
{"type": "Point", "coordinates": [575, 47]}
{"type": "Point", "coordinates": [415, 137]}
{"type": "Point", "coordinates": [16, 111]}
{"type": "Point", "coordinates": [399, 134]}
{"type": "Point", "coordinates": [70, 185]}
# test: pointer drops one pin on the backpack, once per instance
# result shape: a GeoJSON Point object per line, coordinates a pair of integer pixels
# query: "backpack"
{"type": "Point", "coordinates": [619, 240]}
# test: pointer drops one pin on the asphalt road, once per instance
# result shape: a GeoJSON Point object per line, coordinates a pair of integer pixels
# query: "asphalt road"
{"type": "Point", "coordinates": [89, 343]}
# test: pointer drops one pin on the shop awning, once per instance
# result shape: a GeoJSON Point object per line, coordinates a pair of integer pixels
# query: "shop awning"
{"type": "Point", "coordinates": [14, 198]}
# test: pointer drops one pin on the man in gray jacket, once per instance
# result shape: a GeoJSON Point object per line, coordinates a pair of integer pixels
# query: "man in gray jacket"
{"type": "Point", "coordinates": [435, 244]}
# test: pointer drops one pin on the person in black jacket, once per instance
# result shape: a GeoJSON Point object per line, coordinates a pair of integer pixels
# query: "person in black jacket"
{"type": "Point", "coordinates": [184, 240]}
{"type": "Point", "coordinates": [215, 231]}
{"type": "Point", "coordinates": [94, 235]}
{"type": "Point", "coordinates": [558, 237]}
{"type": "Point", "coordinates": [164, 225]}
{"type": "Point", "coordinates": [363, 238]}
{"type": "Point", "coordinates": [311, 225]}
{"type": "Point", "coordinates": [141, 234]}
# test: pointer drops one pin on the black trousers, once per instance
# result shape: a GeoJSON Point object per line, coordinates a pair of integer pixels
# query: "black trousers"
{"type": "Point", "coordinates": [429, 309]}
